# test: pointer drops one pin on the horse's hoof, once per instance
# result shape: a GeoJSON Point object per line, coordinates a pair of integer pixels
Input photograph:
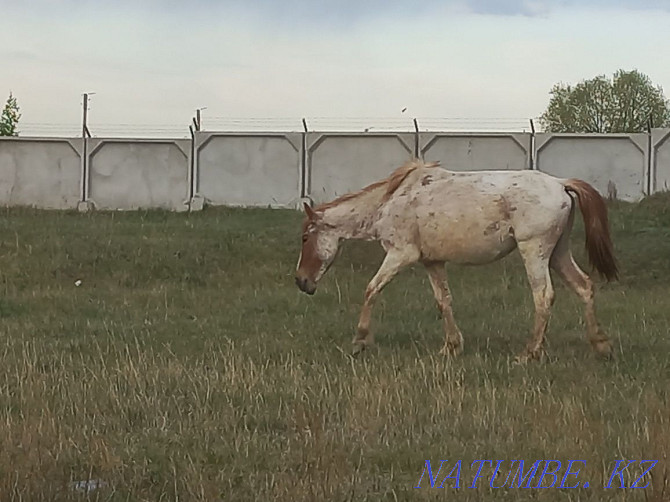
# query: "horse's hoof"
{"type": "Point", "coordinates": [604, 349]}
{"type": "Point", "coordinates": [520, 359]}
{"type": "Point", "coordinates": [527, 356]}
{"type": "Point", "coordinates": [357, 349]}
{"type": "Point", "coordinates": [451, 350]}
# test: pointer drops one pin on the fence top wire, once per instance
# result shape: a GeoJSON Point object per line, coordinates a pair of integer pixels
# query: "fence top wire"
{"type": "Point", "coordinates": [103, 130]}
{"type": "Point", "coordinates": [364, 124]}
{"type": "Point", "coordinates": [283, 124]}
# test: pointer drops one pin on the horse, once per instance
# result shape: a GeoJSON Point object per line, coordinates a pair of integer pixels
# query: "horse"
{"type": "Point", "coordinates": [427, 214]}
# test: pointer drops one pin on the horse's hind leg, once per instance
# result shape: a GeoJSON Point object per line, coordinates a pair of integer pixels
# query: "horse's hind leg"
{"type": "Point", "coordinates": [537, 269]}
{"type": "Point", "coordinates": [438, 281]}
{"type": "Point", "coordinates": [564, 264]}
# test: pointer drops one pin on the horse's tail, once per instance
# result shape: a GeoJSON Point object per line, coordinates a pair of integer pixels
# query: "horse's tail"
{"type": "Point", "coordinates": [598, 242]}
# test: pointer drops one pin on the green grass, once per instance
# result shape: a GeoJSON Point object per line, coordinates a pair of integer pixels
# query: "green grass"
{"type": "Point", "coordinates": [188, 366]}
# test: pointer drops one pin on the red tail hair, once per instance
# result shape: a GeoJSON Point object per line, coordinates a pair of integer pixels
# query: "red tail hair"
{"type": "Point", "coordinates": [598, 242]}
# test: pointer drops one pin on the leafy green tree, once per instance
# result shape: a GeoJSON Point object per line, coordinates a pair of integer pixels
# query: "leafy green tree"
{"type": "Point", "coordinates": [10, 117]}
{"type": "Point", "coordinates": [626, 104]}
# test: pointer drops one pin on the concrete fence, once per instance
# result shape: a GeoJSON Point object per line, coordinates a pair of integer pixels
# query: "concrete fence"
{"type": "Point", "coordinates": [340, 163]}
{"type": "Point", "coordinates": [46, 173]}
{"type": "Point", "coordinates": [248, 170]}
{"type": "Point", "coordinates": [660, 169]}
{"type": "Point", "coordinates": [617, 165]}
{"type": "Point", "coordinates": [137, 174]}
{"type": "Point", "coordinates": [281, 169]}
{"type": "Point", "coordinates": [475, 152]}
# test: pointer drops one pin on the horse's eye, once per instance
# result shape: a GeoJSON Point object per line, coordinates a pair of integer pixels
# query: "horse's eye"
{"type": "Point", "coordinates": [304, 237]}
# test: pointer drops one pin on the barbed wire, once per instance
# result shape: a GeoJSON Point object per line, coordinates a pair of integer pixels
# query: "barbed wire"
{"type": "Point", "coordinates": [286, 124]}
{"type": "Point", "coordinates": [369, 124]}
{"type": "Point", "coordinates": [103, 130]}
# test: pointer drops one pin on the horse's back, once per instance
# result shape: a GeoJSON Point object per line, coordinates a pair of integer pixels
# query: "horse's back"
{"type": "Point", "coordinates": [533, 202]}
{"type": "Point", "coordinates": [520, 188]}
{"type": "Point", "coordinates": [476, 216]}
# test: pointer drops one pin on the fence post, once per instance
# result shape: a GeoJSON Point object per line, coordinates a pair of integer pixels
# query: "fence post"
{"type": "Point", "coordinates": [191, 167]}
{"type": "Point", "coordinates": [85, 204]}
{"type": "Point", "coordinates": [532, 145]}
{"type": "Point", "coordinates": [304, 179]}
{"type": "Point", "coordinates": [651, 165]}
{"type": "Point", "coordinates": [416, 138]}
{"type": "Point", "coordinates": [195, 202]}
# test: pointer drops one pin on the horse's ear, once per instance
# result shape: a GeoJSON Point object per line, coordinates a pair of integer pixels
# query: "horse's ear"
{"type": "Point", "coordinates": [309, 211]}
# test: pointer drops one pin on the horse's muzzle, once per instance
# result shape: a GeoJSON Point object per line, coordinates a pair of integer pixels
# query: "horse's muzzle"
{"type": "Point", "coordinates": [305, 285]}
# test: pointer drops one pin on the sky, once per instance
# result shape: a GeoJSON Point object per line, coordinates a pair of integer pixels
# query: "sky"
{"type": "Point", "coordinates": [151, 63]}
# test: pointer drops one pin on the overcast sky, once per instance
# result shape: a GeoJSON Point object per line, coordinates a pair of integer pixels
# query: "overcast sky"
{"type": "Point", "coordinates": [155, 62]}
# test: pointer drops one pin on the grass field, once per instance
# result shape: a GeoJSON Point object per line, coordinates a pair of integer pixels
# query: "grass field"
{"type": "Point", "coordinates": [188, 366]}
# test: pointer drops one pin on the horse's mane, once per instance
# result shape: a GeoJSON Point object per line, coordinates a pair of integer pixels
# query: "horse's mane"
{"type": "Point", "coordinates": [392, 182]}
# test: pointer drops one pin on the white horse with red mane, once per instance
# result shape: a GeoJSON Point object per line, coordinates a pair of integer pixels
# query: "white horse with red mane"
{"type": "Point", "coordinates": [423, 213]}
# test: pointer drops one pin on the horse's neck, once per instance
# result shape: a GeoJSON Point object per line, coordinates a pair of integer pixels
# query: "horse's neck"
{"type": "Point", "coordinates": [356, 217]}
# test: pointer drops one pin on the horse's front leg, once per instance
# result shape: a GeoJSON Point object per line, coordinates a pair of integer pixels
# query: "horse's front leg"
{"type": "Point", "coordinates": [394, 261]}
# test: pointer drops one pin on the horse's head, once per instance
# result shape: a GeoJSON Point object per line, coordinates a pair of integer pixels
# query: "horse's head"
{"type": "Point", "coordinates": [320, 242]}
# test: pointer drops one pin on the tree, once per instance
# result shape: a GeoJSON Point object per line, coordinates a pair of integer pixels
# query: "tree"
{"type": "Point", "coordinates": [10, 117]}
{"type": "Point", "coordinates": [628, 103]}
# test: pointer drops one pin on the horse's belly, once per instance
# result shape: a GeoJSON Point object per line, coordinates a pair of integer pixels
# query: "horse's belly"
{"type": "Point", "coordinates": [470, 245]}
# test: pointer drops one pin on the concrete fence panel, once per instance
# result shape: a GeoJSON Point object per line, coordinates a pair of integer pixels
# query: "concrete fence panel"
{"type": "Point", "coordinates": [477, 152]}
{"type": "Point", "coordinates": [276, 169]}
{"type": "Point", "coordinates": [40, 172]}
{"type": "Point", "coordinates": [249, 169]}
{"type": "Point", "coordinates": [139, 174]}
{"type": "Point", "coordinates": [661, 162]}
{"type": "Point", "coordinates": [615, 164]}
{"type": "Point", "coordinates": [339, 163]}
